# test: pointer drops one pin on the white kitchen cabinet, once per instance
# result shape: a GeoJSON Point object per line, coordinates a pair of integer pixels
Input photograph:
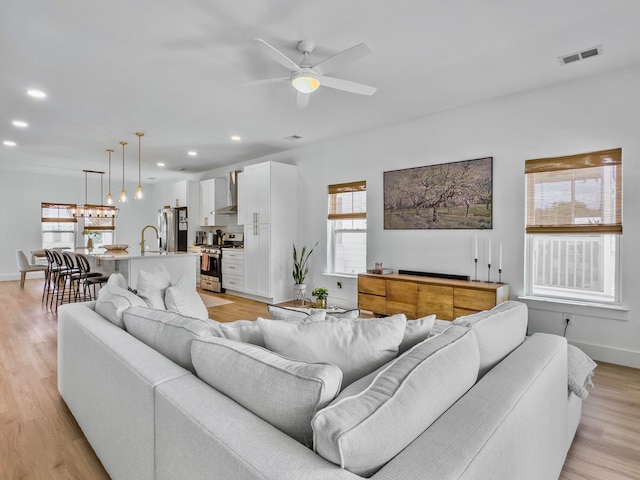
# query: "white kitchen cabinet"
{"type": "Point", "coordinates": [257, 265]}
{"type": "Point", "coordinates": [267, 206]}
{"type": "Point", "coordinates": [213, 195]}
{"type": "Point", "coordinates": [256, 194]}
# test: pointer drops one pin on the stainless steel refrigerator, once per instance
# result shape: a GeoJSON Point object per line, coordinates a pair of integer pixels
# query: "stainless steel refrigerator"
{"type": "Point", "coordinates": [173, 226]}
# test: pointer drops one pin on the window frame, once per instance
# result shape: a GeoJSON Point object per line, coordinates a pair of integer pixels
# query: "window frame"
{"type": "Point", "coordinates": [334, 216]}
{"type": "Point", "coordinates": [573, 229]}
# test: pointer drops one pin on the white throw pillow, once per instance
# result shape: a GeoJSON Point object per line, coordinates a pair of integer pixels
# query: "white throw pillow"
{"type": "Point", "coordinates": [499, 331]}
{"type": "Point", "coordinates": [286, 393]}
{"type": "Point", "coordinates": [416, 331]}
{"type": "Point", "coordinates": [357, 346]}
{"type": "Point", "coordinates": [183, 298]}
{"type": "Point", "coordinates": [152, 286]}
{"type": "Point", "coordinates": [169, 333]}
{"type": "Point", "coordinates": [375, 418]}
{"type": "Point", "coordinates": [248, 331]}
{"type": "Point", "coordinates": [113, 299]}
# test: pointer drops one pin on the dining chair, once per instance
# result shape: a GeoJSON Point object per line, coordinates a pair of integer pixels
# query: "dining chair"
{"type": "Point", "coordinates": [25, 267]}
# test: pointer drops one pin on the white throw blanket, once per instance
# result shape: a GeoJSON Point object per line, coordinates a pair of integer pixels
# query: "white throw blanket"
{"type": "Point", "coordinates": [580, 371]}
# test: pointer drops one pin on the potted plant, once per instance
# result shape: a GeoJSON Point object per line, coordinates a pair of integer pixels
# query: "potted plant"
{"type": "Point", "coordinates": [300, 271]}
{"type": "Point", "coordinates": [321, 295]}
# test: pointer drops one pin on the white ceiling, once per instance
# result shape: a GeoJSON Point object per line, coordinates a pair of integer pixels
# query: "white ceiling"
{"type": "Point", "coordinates": [175, 71]}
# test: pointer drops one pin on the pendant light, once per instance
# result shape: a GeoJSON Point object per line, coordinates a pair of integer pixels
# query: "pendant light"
{"type": "Point", "coordinates": [139, 191]}
{"type": "Point", "coordinates": [123, 194]}
{"type": "Point", "coordinates": [93, 211]}
{"type": "Point", "coordinates": [109, 197]}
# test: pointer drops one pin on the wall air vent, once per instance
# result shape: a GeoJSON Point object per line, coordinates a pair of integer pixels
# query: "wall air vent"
{"type": "Point", "coordinates": [574, 57]}
{"type": "Point", "coordinates": [293, 138]}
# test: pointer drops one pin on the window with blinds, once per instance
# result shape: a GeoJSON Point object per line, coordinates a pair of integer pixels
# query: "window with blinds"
{"type": "Point", "coordinates": [347, 228]}
{"type": "Point", "coordinates": [58, 225]}
{"type": "Point", "coordinates": [573, 223]}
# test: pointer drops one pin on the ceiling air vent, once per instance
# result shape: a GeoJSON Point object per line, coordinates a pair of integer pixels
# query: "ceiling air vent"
{"type": "Point", "coordinates": [574, 57]}
{"type": "Point", "coordinates": [293, 138]}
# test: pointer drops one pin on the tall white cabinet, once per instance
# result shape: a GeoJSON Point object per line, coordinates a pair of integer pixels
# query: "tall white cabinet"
{"type": "Point", "coordinates": [267, 207]}
{"type": "Point", "coordinates": [213, 195]}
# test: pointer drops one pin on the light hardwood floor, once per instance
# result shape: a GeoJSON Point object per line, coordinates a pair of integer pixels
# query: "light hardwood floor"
{"type": "Point", "coordinates": [39, 439]}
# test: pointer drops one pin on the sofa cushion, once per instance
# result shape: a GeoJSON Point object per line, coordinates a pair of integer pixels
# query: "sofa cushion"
{"type": "Point", "coordinates": [183, 298]}
{"type": "Point", "coordinates": [152, 286]}
{"type": "Point", "coordinates": [286, 393]}
{"type": "Point", "coordinates": [416, 331]}
{"type": "Point", "coordinates": [114, 299]}
{"type": "Point", "coordinates": [169, 333]}
{"type": "Point", "coordinates": [499, 331]}
{"type": "Point", "coordinates": [357, 346]}
{"type": "Point", "coordinates": [248, 331]}
{"type": "Point", "coordinates": [375, 418]}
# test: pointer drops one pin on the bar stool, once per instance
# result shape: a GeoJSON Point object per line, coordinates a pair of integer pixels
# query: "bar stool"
{"type": "Point", "coordinates": [87, 279]}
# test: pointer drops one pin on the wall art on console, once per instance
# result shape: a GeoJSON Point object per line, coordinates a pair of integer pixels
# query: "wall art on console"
{"type": "Point", "coordinates": [455, 195]}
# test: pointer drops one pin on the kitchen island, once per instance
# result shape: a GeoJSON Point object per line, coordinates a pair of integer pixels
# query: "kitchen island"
{"type": "Point", "coordinates": [130, 264]}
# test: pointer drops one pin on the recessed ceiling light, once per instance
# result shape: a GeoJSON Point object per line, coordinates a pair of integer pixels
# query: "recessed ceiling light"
{"type": "Point", "coordinates": [192, 153]}
{"type": "Point", "coordinates": [9, 143]}
{"type": "Point", "coordinates": [160, 164]}
{"type": "Point", "coordinates": [36, 93]}
{"type": "Point", "coordinates": [20, 123]}
{"type": "Point", "coordinates": [236, 138]}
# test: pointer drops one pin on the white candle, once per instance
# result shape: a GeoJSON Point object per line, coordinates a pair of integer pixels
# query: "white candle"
{"type": "Point", "coordinates": [476, 254]}
{"type": "Point", "coordinates": [489, 261]}
{"type": "Point", "coordinates": [500, 264]}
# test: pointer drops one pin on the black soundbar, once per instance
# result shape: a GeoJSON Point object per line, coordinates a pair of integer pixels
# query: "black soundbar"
{"type": "Point", "coordinates": [450, 276]}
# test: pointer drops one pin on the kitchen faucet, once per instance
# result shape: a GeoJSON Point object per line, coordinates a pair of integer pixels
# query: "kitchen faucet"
{"type": "Point", "coordinates": [142, 241]}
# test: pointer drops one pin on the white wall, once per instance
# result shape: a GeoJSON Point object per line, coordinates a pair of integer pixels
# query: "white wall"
{"type": "Point", "coordinates": [21, 195]}
{"type": "Point", "coordinates": [574, 117]}
{"type": "Point", "coordinates": [581, 116]}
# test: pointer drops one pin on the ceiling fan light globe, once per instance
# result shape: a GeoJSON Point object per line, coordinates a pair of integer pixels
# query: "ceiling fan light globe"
{"type": "Point", "coordinates": [305, 83]}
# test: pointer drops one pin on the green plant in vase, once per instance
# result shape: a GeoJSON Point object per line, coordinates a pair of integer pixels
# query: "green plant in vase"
{"type": "Point", "coordinates": [321, 295]}
{"type": "Point", "coordinates": [300, 271]}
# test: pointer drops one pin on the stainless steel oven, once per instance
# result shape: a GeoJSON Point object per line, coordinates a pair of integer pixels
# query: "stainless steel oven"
{"type": "Point", "coordinates": [211, 268]}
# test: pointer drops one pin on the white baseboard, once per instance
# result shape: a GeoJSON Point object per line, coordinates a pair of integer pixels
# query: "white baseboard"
{"type": "Point", "coordinates": [627, 358]}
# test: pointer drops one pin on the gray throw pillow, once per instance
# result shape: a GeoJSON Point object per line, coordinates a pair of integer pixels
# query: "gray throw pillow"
{"type": "Point", "coordinates": [357, 346]}
{"type": "Point", "coordinates": [169, 333]}
{"type": "Point", "coordinates": [376, 417]}
{"type": "Point", "coordinates": [286, 393]}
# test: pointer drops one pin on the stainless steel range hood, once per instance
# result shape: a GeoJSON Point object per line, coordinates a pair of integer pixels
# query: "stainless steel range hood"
{"type": "Point", "coordinates": [232, 196]}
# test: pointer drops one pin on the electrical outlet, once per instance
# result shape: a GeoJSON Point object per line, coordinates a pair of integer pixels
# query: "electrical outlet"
{"type": "Point", "coordinates": [567, 319]}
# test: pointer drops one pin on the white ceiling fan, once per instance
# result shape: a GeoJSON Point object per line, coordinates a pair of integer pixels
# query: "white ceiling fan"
{"type": "Point", "coordinates": [306, 78]}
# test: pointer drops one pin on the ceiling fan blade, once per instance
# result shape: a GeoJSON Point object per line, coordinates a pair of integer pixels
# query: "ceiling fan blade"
{"type": "Point", "coordinates": [302, 100]}
{"type": "Point", "coordinates": [275, 54]}
{"type": "Point", "coordinates": [347, 86]}
{"type": "Point", "coordinates": [268, 81]}
{"type": "Point", "coordinates": [340, 59]}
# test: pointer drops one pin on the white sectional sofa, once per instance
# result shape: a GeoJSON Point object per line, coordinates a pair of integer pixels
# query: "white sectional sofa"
{"type": "Point", "coordinates": [146, 417]}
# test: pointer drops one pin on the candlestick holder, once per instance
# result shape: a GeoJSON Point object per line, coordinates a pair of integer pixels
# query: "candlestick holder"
{"type": "Point", "coordinates": [499, 275]}
{"type": "Point", "coordinates": [489, 273]}
{"type": "Point", "coordinates": [475, 276]}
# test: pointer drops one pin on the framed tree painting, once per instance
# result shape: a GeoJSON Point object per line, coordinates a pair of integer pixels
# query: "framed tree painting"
{"type": "Point", "coordinates": [455, 195]}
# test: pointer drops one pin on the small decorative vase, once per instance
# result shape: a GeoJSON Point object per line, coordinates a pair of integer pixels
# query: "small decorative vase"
{"type": "Point", "coordinates": [90, 243]}
{"type": "Point", "coordinates": [299, 291]}
{"type": "Point", "coordinates": [321, 303]}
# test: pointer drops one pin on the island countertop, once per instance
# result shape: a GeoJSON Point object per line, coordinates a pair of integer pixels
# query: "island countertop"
{"type": "Point", "coordinates": [130, 264]}
{"type": "Point", "coordinates": [100, 253]}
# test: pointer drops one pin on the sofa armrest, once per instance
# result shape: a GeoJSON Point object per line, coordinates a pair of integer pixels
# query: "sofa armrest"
{"type": "Point", "coordinates": [107, 378]}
